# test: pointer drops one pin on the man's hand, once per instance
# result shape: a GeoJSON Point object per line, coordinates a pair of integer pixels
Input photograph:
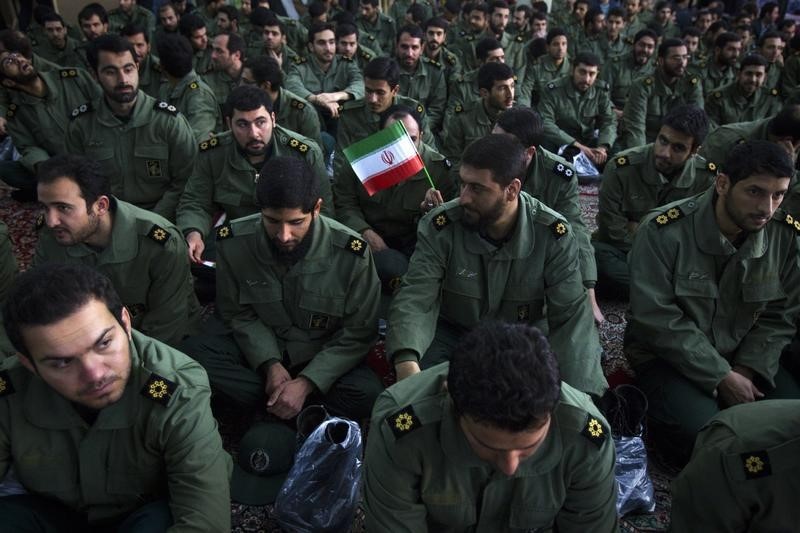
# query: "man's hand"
{"type": "Point", "coordinates": [275, 55]}
{"type": "Point", "coordinates": [288, 399]}
{"type": "Point", "coordinates": [433, 198]}
{"type": "Point", "coordinates": [3, 130]}
{"type": "Point", "coordinates": [598, 155]}
{"type": "Point", "coordinates": [196, 246]}
{"type": "Point", "coordinates": [736, 388]}
{"type": "Point", "coordinates": [631, 226]}
{"type": "Point", "coordinates": [276, 375]}
{"type": "Point", "coordinates": [405, 369]}
{"type": "Point", "coordinates": [598, 314]}
{"type": "Point", "coordinates": [375, 241]}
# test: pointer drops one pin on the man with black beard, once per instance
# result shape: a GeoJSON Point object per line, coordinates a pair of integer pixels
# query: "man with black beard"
{"type": "Point", "coordinates": [299, 294]}
{"type": "Point", "coordinates": [494, 253]}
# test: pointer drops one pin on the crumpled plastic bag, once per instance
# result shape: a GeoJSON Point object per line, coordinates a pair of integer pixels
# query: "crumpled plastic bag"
{"type": "Point", "coordinates": [634, 488]}
{"type": "Point", "coordinates": [583, 165]}
{"type": "Point", "coordinates": [321, 492]}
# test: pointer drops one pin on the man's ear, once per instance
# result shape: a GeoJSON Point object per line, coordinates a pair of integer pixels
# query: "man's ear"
{"type": "Point", "coordinates": [722, 184]}
{"type": "Point", "coordinates": [126, 322]}
{"type": "Point", "coordinates": [512, 191]}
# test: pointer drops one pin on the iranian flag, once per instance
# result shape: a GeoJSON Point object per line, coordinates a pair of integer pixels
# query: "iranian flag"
{"type": "Point", "coordinates": [385, 158]}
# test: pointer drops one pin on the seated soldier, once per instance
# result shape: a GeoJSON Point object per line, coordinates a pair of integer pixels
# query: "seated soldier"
{"type": "Point", "coordinates": [8, 271]}
{"type": "Point", "coordinates": [744, 474]}
{"type": "Point", "coordinates": [387, 220]}
{"type": "Point", "coordinates": [105, 428]}
{"type": "Point", "coordinates": [142, 253]}
{"type": "Point", "coordinates": [300, 294]}
{"type": "Point", "coordinates": [745, 98]}
{"type": "Point", "coordinates": [492, 441]}
{"type": "Point", "coordinates": [494, 253]}
{"type": "Point", "coordinates": [643, 178]}
{"type": "Point", "coordinates": [714, 297]}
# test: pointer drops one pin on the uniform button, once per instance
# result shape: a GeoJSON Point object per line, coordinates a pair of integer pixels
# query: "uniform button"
{"type": "Point", "coordinates": [690, 204]}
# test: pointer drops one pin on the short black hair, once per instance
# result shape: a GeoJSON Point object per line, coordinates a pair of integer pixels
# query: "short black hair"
{"type": "Point", "coordinates": [246, 98]}
{"type": "Point", "coordinates": [786, 123]}
{"type": "Point", "coordinates": [263, 17]}
{"type": "Point", "coordinates": [641, 34]}
{"type": "Point", "coordinates": [383, 68]}
{"type": "Point", "coordinates": [87, 174]}
{"type": "Point", "coordinates": [526, 9]}
{"type": "Point", "coordinates": [661, 4]}
{"type": "Point", "coordinates": [753, 60]}
{"type": "Point", "coordinates": [319, 27]}
{"type": "Point", "coordinates": [586, 58]}
{"type": "Point", "coordinates": [484, 46]}
{"type": "Point", "coordinates": [317, 8]}
{"type": "Point", "coordinates": [492, 72]}
{"type": "Point", "coordinates": [129, 30]}
{"type": "Point", "coordinates": [771, 34]}
{"type": "Point", "coordinates": [417, 12]}
{"type": "Point", "coordinates": [265, 69]}
{"type": "Point", "coordinates": [555, 32]}
{"type": "Point", "coordinates": [498, 4]}
{"type": "Point", "coordinates": [504, 376]}
{"type": "Point", "coordinates": [500, 153]}
{"type": "Point", "coordinates": [51, 292]}
{"type": "Point", "coordinates": [231, 11]}
{"type": "Point", "coordinates": [90, 10]}
{"type": "Point", "coordinates": [689, 120]}
{"type": "Point", "coordinates": [176, 54]}
{"type": "Point", "coordinates": [373, 3]}
{"type": "Point", "coordinates": [436, 22]}
{"type": "Point", "coordinates": [235, 43]}
{"type": "Point", "coordinates": [398, 112]}
{"type": "Point", "coordinates": [523, 123]}
{"type": "Point", "coordinates": [617, 12]}
{"type": "Point", "coordinates": [190, 23]}
{"type": "Point", "coordinates": [413, 31]}
{"type": "Point", "coordinates": [16, 41]}
{"type": "Point", "coordinates": [757, 157]}
{"type": "Point", "coordinates": [344, 29]}
{"type": "Point", "coordinates": [691, 31]}
{"type": "Point", "coordinates": [666, 44]}
{"type": "Point", "coordinates": [52, 16]}
{"type": "Point", "coordinates": [110, 42]}
{"type": "Point", "coordinates": [287, 183]}
{"type": "Point", "coordinates": [724, 38]}
{"type": "Point", "coordinates": [591, 15]}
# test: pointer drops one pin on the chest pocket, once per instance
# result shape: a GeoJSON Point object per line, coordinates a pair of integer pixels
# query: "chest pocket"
{"type": "Point", "coordinates": [696, 288]}
{"type": "Point", "coordinates": [320, 312]}
{"type": "Point", "coordinates": [142, 478]}
{"type": "Point", "coordinates": [462, 296]}
{"type": "Point", "coordinates": [267, 301]}
{"type": "Point", "coordinates": [756, 297]}
{"type": "Point", "coordinates": [523, 303]}
{"type": "Point", "coordinates": [457, 517]}
{"type": "Point", "coordinates": [151, 162]}
{"type": "Point", "coordinates": [528, 520]}
{"type": "Point", "coordinates": [57, 481]}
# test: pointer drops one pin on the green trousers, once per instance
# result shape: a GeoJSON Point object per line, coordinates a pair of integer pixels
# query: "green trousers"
{"type": "Point", "coordinates": [613, 278]}
{"type": "Point", "coordinates": [27, 513]}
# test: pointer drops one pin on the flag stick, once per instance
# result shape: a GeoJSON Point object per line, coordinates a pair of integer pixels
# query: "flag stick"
{"type": "Point", "coordinates": [424, 166]}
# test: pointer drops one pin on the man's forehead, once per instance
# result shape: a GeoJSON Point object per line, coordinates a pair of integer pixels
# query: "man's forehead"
{"type": "Point", "coordinates": [106, 58]}
{"type": "Point", "coordinates": [250, 115]}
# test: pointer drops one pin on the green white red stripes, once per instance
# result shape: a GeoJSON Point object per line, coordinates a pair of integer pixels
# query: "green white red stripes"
{"type": "Point", "coordinates": [384, 158]}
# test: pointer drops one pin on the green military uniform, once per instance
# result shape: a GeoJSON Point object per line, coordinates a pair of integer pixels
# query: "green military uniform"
{"type": "Point", "coordinates": [744, 471]}
{"type": "Point", "coordinates": [297, 114]}
{"type": "Point", "coordinates": [570, 115]}
{"type": "Point", "coordinates": [649, 100]}
{"type": "Point", "coordinates": [467, 123]}
{"type": "Point", "coordinates": [318, 317]}
{"type": "Point", "coordinates": [159, 441]}
{"type": "Point", "coordinates": [370, 42]}
{"type": "Point", "coordinates": [146, 261]}
{"type": "Point", "coordinates": [147, 157]}
{"type": "Point", "coordinates": [514, 50]}
{"type": "Point", "coordinates": [306, 78]}
{"type": "Point", "coordinates": [700, 305]}
{"type": "Point", "coordinates": [427, 85]}
{"type": "Point", "coordinates": [537, 76]}
{"type": "Point", "coordinates": [296, 33]}
{"type": "Point", "coordinates": [463, 89]}
{"type": "Point", "coordinates": [450, 62]}
{"type": "Point", "coordinates": [460, 279]}
{"type": "Point", "coordinates": [357, 121]}
{"type": "Point", "coordinates": [790, 79]}
{"type": "Point", "coordinates": [631, 187]}
{"type": "Point", "coordinates": [364, 55]}
{"type": "Point", "coordinates": [8, 271]}
{"type": "Point", "coordinates": [728, 104]}
{"type": "Point", "coordinates": [619, 72]}
{"type": "Point", "coordinates": [720, 141]}
{"type": "Point", "coordinates": [464, 46]}
{"type": "Point", "coordinates": [221, 83]}
{"type": "Point", "coordinates": [150, 76]}
{"type": "Point", "coordinates": [70, 56]}
{"type": "Point", "coordinates": [201, 61]}
{"type": "Point", "coordinates": [140, 16]}
{"type": "Point", "coordinates": [421, 473]}
{"type": "Point", "coordinates": [712, 75]}
{"type": "Point", "coordinates": [399, 8]}
{"type": "Point", "coordinates": [196, 101]}
{"type": "Point", "coordinates": [382, 30]}
{"type": "Point", "coordinates": [38, 125]}
{"type": "Point", "coordinates": [773, 78]}
{"type": "Point", "coordinates": [224, 180]}
{"type": "Point", "coordinates": [554, 182]}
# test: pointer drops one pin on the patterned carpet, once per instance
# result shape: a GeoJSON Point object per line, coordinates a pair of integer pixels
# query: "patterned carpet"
{"type": "Point", "coordinates": [20, 219]}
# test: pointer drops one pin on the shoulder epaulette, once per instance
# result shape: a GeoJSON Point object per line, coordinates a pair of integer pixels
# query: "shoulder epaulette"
{"type": "Point", "coordinates": [519, 39]}
{"type": "Point", "coordinates": [366, 55]}
{"type": "Point", "coordinates": [155, 66]}
{"type": "Point", "coordinates": [559, 229]}
{"type": "Point", "coordinates": [297, 145]}
{"type": "Point", "coordinates": [717, 95]}
{"type": "Point", "coordinates": [694, 80]}
{"type": "Point", "coordinates": [166, 108]}
{"type": "Point", "coordinates": [356, 246]}
{"type": "Point", "coordinates": [563, 170]}
{"type": "Point", "coordinates": [297, 104]}
{"type": "Point", "coordinates": [213, 142]}
{"type": "Point", "coordinates": [774, 92]}
{"type": "Point", "coordinates": [224, 232]}
{"type": "Point", "coordinates": [40, 222]}
{"type": "Point", "coordinates": [621, 161]}
{"type": "Point", "coordinates": [6, 387]}
{"type": "Point", "coordinates": [403, 422]}
{"type": "Point", "coordinates": [711, 167]}
{"type": "Point", "coordinates": [440, 221]}
{"type": "Point", "coordinates": [629, 40]}
{"type": "Point", "coordinates": [420, 108]}
{"type": "Point", "coordinates": [12, 110]}
{"type": "Point", "coordinates": [194, 85]}
{"type": "Point", "coordinates": [458, 108]}
{"type": "Point", "coordinates": [68, 73]}
{"type": "Point", "coordinates": [669, 216]}
{"type": "Point", "coordinates": [551, 85]}
{"type": "Point", "coordinates": [793, 222]}
{"type": "Point", "coordinates": [594, 430]}
{"type": "Point", "coordinates": [159, 389]}
{"type": "Point", "coordinates": [298, 60]}
{"type": "Point", "coordinates": [80, 110]}
{"type": "Point", "coordinates": [451, 58]}
{"type": "Point", "coordinates": [348, 59]}
{"type": "Point", "coordinates": [158, 234]}
{"type": "Point", "coordinates": [648, 80]}
{"type": "Point", "coordinates": [756, 464]}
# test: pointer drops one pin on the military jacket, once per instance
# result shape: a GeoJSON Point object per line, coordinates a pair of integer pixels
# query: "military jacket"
{"type": "Point", "coordinates": [649, 100]}
{"type": "Point", "coordinates": [201, 61]}
{"type": "Point", "coordinates": [450, 62]}
{"type": "Point", "coordinates": [720, 141]}
{"type": "Point", "coordinates": [426, 85]}
{"type": "Point", "coordinates": [773, 79]}
{"type": "Point", "coordinates": [394, 212]}
{"type": "Point", "coordinates": [159, 441]}
{"type": "Point", "coordinates": [296, 114]}
{"type": "Point", "coordinates": [70, 56]}
{"type": "Point", "coordinates": [364, 54]}
{"type": "Point", "coordinates": [728, 104]}
{"type": "Point", "coordinates": [570, 116]}
{"type": "Point", "coordinates": [457, 276]}
{"type": "Point", "coordinates": [41, 65]}
{"type": "Point", "coordinates": [632, 187]}
{"type": "Point", "coordinates": [150, 76]}
{"type": "Point", "coordinates": [118, 19]}
{"type": "Point", "coordinates": [195, 99]}
{"type": "Point", "coordinates": [306, 78]}
{"type": "Point", "coordinates": [790, 78]}
{"type": "Point", "coordinates": [619, 72]}
{"type": "Point", "coordinates": [541, 73]}
{"type": "Point", "coordinates": [146, 261]}
{"type": "Point", "coordinates": [224, 180]}
{"type": "Point", "coordinates": [421, 473]}
{"type": "Point", "coordinates": [702, 305]}
{"type": "Point", "coordinates": [712, 75]}
{"type": "Point", "coordinates": [149, 157]}
{"type": "Point", "coordinates": [296, 33]}
{"type": "Point", "coordinates": [221, 83]}
{"type": "Point", "coordinates": [383, 30]}
{"type": "Point", "coordinates": [8, 271]}
{"type": "Point", "coordinates": [467, 123]}
{"type": "Point", "coordinates": [398, 9]}
{"type": "Point", "coordinates": [745, 471]}
{"type": "Point", "coordinates": [554, 182]}
{"type": "Point", "coordinates": [463, 89]}
{"type": "Point", "coordinates": [322, 311]}
{"type": "Point", "coordinates": [357, 121]}
{"type": "Point", "coordinates": [38, 125]}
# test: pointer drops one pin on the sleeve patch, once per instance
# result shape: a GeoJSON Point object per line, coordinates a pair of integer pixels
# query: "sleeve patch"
{"type": "Point", "coordinates": [594, 431]}
{"type": "Point", "coordinates": [159, 389]}
{"type": "Point", "coordinates": [80, 110]}
{"type": "Point", "coordinates": [403, 422]}
{"type": "Point", "coordinates": [774, 92]}
{"type": "Point", "coordinates": [441, 221]}
{"type": "Point", "coordinates": [6, 387]}
{"type": "Point", "coordinates": [669, 216]}
{"type": "Point", "coordinates": [565, 171]}
{"type": "Point", "coordinates": [356, 246]}
{"type": "Point", "coordinates": [756, 464]}
{"type": "Point", "coordinates": [166, 108]}
{"type": "Point", "coordinates": [224, 232]}
{"type": "Point", "coordinates": [559, 229]}
{"type": "Point", "coordinates": [158, 234]}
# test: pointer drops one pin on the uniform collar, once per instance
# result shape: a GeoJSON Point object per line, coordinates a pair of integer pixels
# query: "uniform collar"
{"type": "Point", "coordinates": [122, 246]}
{"type": "Point", "coordinates": [711, 240]}
{"type": "Point", "coordinates": [140, 116]}
{"type": "Point", "coordinates": [652, 176]}
{"type": "Point", "coordinates": [520, 243]}
{"type": "Point", "coordinates": [315, 260]}
{"type": "Point", "coordinates": [183, 83]}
